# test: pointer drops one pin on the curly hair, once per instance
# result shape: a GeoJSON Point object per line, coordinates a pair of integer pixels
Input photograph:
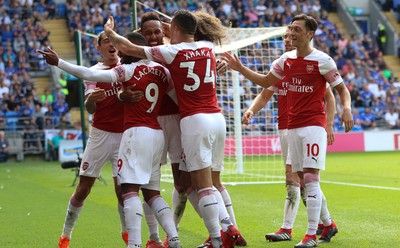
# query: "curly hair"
{"type": "Point", "coordinates": [209, 28]}
{"type": "Point", "coordinates": [149, 16]}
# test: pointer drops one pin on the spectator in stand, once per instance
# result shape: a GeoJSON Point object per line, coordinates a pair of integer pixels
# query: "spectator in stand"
{"type": "Point", "coordinates": [61, 107]}
{"type": "Point", "coordinates": [355, 95]}
{"type": "Point", "coordinates": [4, 147]}
{"type": "Point", "coordinates": [381, 37]}
{"type": "Point", "coordinates": [391, 96]}
{"type": "Point", "coordinates": [52, 114]}
{"type": "Point", "coordinates": [5, 19]}
{"type": "Point", "coordinates": [30, 134]}
{"type": "Point", "coordinates": [368, 119]}
{"type": "Point", "coordinates": [46, 97]}
{"type": "Point", "coordinates": [348, 70]}
{"type": "Point", "coordinates": [63, 84]}
{"type": "Point", "coordinates": [64, 123]}
{"type": "Point", "coordinates": [18, 42]}
{"type": "Point", "coordinates": [3, 88]}
{"type": "Point", "coordinates": [10, 105]}
{"type": "Point", "coordinates": [26, 105]}
{"type": "Point", "coordinates": [54, 143]}
{"type": "Point", "coordinates": [377, 108]}
{"type": "Point", "coordinates": [392, 119]}
{"type": "Point", "coordinates": [3, 120]}
{"type": "Point", "coordinates": [366, 96]}
{"type": "Point", "coordinates": [48, 124]}
{"type": "Point", "coordinates": [357, 126]}
{"type": "Point", "coordinates": [381, 92]}
{"type": "Point", "coordinates": [373, 88]}
{"type": "Point", "coordinates": [38, 116]}
{"type": "Point", "coordinates": [396, 82]}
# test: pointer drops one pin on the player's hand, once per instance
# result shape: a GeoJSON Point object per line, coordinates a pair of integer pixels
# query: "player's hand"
{"type": "Point", "coordinates": [347, 119]}
{"type": "Point", "coordinates": [330, 135]}
{"type": "Point", "coordinates": [247, 116]}
{"type": "Point", "coordinates": [97, 95]}
{"type": "Point", "coordinates": [222, 66]}
{"type": "Point", "coordinates": [109, 25]}
{"type": "Point", "coordinates": [129, 95]}
{"type": "Point", "coordinates": [232, 61]}
{"type": "Point", "coordinates": [50, 56]}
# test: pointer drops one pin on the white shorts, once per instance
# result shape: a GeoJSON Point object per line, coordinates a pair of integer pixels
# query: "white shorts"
{"type": "Point", "coordinates": [139, 157]}
{"type": "Point", "coordinates": [307, 147]}
{"type": "Point", "coordinates": [203, 141]}
{"type": "Point", "coordinates": [283, 136]}
{"type": "Point", "coordinates": [101, 147]}
{"type": "Point", "coordinates": [172, 136]}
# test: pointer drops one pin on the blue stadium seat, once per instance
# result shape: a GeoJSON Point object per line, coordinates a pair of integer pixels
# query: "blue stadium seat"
{"type": "Point", "coordinates": [361, 110]}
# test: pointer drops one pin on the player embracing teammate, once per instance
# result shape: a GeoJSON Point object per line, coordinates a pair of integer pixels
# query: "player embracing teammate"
{"type": "Point", "coordinates": [193, 70]}
{"type": "Point", "coordinates": [306, 70]}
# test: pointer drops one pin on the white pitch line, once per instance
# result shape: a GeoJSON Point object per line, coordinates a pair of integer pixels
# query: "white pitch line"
{"type": "Point", "coordinates": [361, 185]}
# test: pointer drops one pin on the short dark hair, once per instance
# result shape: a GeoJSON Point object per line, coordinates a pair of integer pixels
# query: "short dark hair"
{"type": "Point", "coordinates": [136, 38]}
{"type": "Point", "coordinates": [100, 37]}
{"type": "Point", "coordinates": [149, 16]}
{"type": "Point", "coordinates": [186, 21]}
{"type": "Point", "coordinates": [310, 22]}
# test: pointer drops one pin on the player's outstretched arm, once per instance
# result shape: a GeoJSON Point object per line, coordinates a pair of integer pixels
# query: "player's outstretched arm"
{"type": "Point", "coordinates": [330, 115]}
{"type": "Point", "coordinates": [345, 100]}
{"type": "Point", "coordinates": [122, 43]}
{"type": "Point", "coordinates": [82, 72]}
{"type": "Point", "coordinates": [258, 103]}
{"type": "Point", "coordinates": [257, 78]}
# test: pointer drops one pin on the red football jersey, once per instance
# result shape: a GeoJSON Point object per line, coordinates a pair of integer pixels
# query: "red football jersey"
{"type": "Point", "coordinates": [155, 81]}
{"type": "Point", "coordinates": [306, 77]}
{"type": "Point", "coordinates": [106, 118]}
{"type": "Point", "coordinates": [168, 107]}
{"type": "Point", "coordinates": [281, 90]}
{"type": "Point", "coordinates": [193, 70]}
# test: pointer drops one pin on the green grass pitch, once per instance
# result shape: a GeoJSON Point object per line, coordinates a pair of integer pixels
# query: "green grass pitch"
{"type": "Point", "coordinates": [362, 189]}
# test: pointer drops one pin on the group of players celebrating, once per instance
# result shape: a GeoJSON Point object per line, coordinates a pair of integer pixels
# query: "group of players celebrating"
{"type": "Point", "coordinates": [167, 103]}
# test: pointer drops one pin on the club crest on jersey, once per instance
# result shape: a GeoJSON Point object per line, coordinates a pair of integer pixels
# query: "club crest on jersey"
{"type": "Point", "coordinates": [310, 68]}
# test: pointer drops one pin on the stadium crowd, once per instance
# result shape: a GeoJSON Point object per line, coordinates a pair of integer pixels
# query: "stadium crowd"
{"type": "Point", "coordinates": [22, 108]}
{"type": "Point", "coordinates": [375, 91]}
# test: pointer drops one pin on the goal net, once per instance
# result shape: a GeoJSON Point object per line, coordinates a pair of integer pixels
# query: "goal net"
{"type": "Point", "coordinates": [252, 152]}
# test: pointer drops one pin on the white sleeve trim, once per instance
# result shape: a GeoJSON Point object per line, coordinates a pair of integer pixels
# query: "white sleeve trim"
{"type": "Point", "coordinates": [87, 73]}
